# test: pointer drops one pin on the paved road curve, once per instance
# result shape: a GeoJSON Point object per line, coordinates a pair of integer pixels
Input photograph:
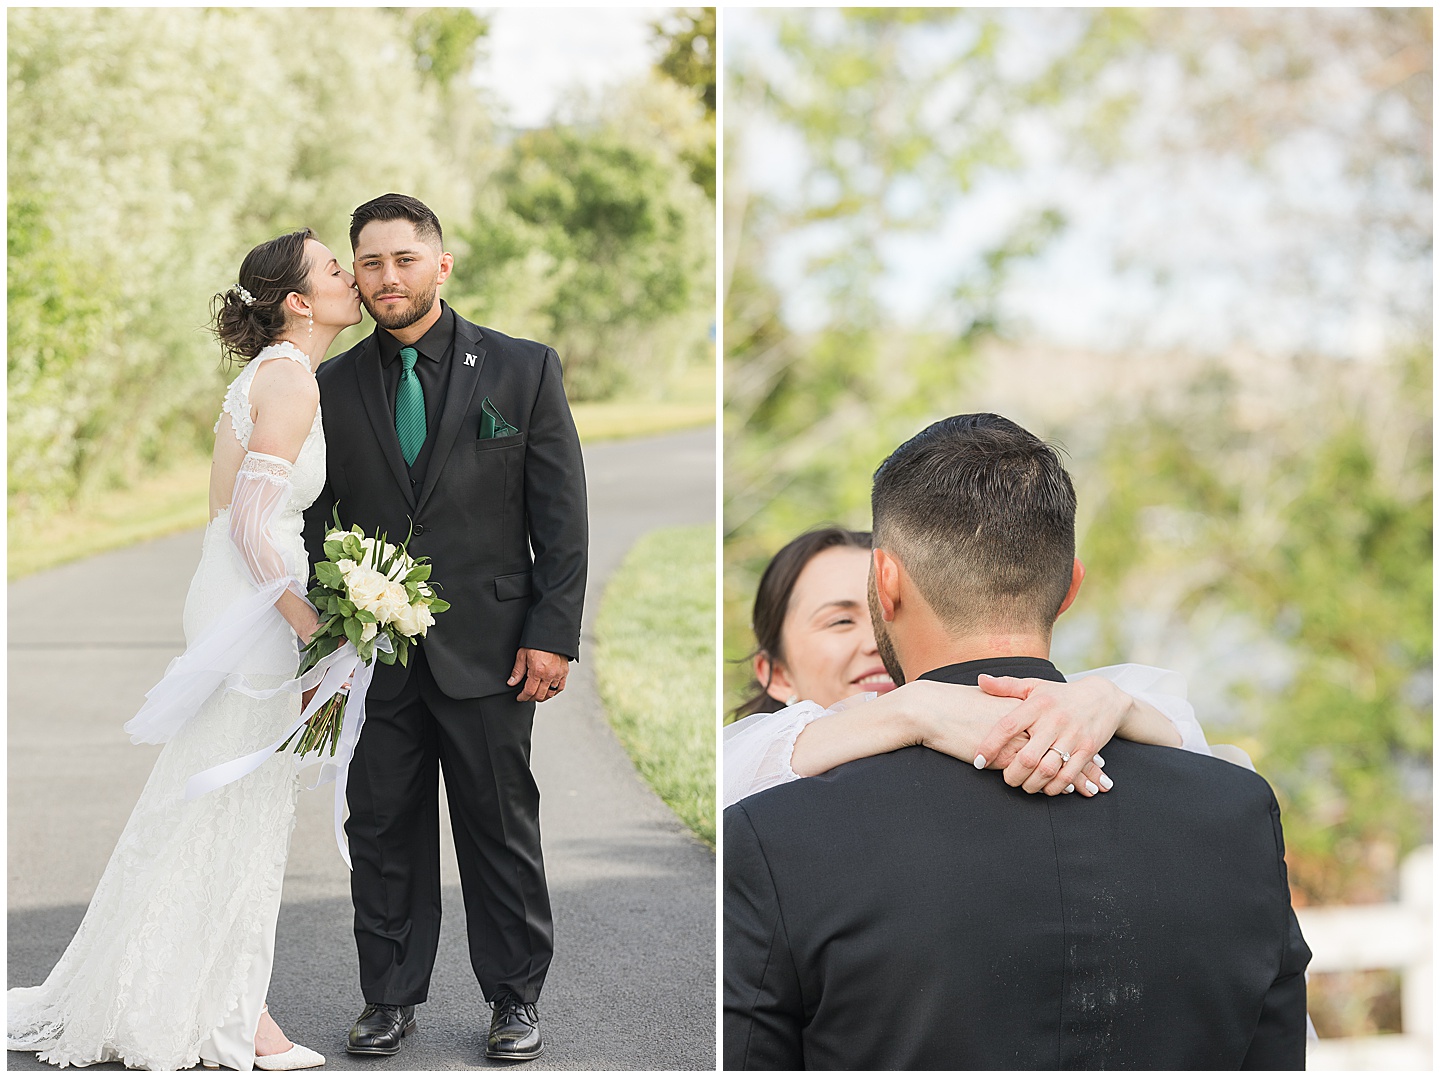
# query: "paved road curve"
{"type": "Point", "coordinates": [633, 982]}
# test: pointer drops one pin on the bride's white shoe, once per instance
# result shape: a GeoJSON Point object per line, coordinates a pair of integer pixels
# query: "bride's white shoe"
{"type": "Point", "coordinates": [298, 1058]}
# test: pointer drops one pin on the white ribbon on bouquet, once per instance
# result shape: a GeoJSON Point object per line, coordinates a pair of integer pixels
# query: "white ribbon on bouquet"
{"type": "Point", "coordinates": [341, 665]}
{"type": "Point", "coordinates": [209, 665]}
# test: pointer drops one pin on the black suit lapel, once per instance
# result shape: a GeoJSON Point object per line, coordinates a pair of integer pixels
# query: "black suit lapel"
{"type": "Point", "coordinates": [372, 392]}
{"type": "Point", "coordinates": [466, 361]}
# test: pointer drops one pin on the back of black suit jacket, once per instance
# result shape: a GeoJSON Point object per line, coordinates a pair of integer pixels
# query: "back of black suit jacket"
{"type": "Point", "coordinates": [909, 912]}
{"type": "Point", "coordinates": [485, 505]}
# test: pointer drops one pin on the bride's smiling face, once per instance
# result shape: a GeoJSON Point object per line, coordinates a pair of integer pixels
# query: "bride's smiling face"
{"type": "Point", "coordinates": [826, 641]}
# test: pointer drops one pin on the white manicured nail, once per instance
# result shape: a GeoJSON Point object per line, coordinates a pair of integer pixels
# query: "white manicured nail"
{"type": "Point", "coordinates": [1070, 789]}
{"type": "Point", "coordinates": [1099, 760]}
{"type": "Point", "coordinates": [1106, 781]}
{"type": "Point", "coordinates": [1091, 787]}
{"type": "Point", "coordinates": [980, 763]}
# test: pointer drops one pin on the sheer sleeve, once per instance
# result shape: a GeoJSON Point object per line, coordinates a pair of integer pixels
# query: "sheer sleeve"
{"type": "Point", "coordinates": [1162, 689]}
{"type": "Point", "coordinates": [758, 748]}
{"type": "Point", "coordinates": [262, 487]}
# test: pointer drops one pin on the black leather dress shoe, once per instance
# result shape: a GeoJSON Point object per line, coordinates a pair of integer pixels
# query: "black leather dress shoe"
{"type": "Point", "coordinates": [378, 1030]}
{"type": "Point", "coordinates": [514, 1030]}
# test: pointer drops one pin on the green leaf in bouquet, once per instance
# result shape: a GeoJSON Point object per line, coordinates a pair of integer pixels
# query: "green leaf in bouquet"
{"type": "Point", "coordinates": [352, 631]}
{"type": "Point", "coordinates": [366, 617]}
{"type": "Point", "coordinates": [353, 550]}
{"type": "Point", "coordinates": [329, 575]}
{"type": "Point", "coordinates": [332, 604]}
{"type": "Point", "coordinates": [348, 608]}
{"type": "Point", "coordinates": [438, 605]}
{"type": "Point", "coordinates": [388, 658]}
{"type": "Point", "coordinates": [417, 574]}
{"type": "Point", "coordinates": [402, 650]}
{"type": "Point", "coordinates": [334, 549]}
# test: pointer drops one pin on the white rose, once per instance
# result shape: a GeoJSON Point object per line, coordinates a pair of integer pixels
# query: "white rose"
{"type": "Point", "coordinates": [414, 620]}
{"type": "Point", "coordinates": [368, 632]}
{"type": "Point", "coordinates": [367, 588]}
{"type": "Point", "coordinates": [392, 603]}
{"type": "Point", "coordinates": [346, 567]}
{"type": "Point", "coordinates": [424, 588]}
{"type": "Point", "coordinates": [335, 536]}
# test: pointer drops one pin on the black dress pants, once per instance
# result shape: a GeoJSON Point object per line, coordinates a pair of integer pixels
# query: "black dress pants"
{"type": "Point", "coordinates": [394, 832]}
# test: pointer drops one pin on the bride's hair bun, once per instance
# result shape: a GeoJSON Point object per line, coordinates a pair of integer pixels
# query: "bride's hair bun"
{"type": "Point", "coordinates": [250, 314]}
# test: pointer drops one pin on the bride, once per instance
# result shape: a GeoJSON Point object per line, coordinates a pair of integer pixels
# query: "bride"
{"type": "Point", "coordinates": [171, 963]}
{"type": "Point", "coordinates": [817, 656]}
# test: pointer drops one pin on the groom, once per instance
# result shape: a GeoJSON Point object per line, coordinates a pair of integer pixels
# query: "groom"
{"type": "Point", "coordinates": [907, 911]}
{"type": "Point", "coordinates": [465, 433]}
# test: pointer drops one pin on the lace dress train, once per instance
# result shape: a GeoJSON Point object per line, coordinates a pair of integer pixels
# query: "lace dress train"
{"type": "Point", "coordinates": [172, 960]}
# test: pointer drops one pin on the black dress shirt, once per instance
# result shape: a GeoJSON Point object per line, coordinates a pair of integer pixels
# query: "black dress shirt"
{"type": "Point", "coordinates": [433, 370]}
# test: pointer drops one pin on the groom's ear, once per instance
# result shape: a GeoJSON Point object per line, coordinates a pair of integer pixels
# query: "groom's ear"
{"type": "Point", "coordinates": [447, 263]}
{"type": "Point", "coordinates": [1077, 576]}
{"type": "Point", "coordinates": [886, 571]}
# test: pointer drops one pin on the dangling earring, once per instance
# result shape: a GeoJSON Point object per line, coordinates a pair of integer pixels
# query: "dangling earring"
{"type": "Point", "coordinates": [310, 324]}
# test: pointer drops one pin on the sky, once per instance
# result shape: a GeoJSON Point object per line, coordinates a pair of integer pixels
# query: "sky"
{"type": "Point", "coordinates": [536, 55]}
{"type": "Point", "coordinates": [1225, 259]}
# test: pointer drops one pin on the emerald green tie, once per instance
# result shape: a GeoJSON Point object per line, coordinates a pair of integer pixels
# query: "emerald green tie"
{"type": "Point", "coordinates": [410, 408]}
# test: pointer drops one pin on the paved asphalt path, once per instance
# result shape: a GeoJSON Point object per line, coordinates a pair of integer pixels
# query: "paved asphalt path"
{"type": "Point", "coordinates": [632, 986]}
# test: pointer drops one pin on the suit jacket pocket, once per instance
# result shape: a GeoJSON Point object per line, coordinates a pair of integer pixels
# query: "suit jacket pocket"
{"type": "Point", "coordinates": [514, 586]}
{"type": "Point", "coordinates": [484, 445]}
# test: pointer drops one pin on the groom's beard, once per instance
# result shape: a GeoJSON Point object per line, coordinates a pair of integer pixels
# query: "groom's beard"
{"type": "Point", "coordinates": [418, 308]}
{"type": "Point", "coordinates": [882, 636]}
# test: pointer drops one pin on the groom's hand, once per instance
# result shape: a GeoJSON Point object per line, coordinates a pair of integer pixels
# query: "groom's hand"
{"type": "Point", "coordinates": [543, 673]}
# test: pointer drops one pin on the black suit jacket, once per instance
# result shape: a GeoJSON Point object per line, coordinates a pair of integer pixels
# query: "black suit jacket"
{"type": "Point", "coordinates": [484, 506]}
{"type": "Point", "coordinates": [909, 912]}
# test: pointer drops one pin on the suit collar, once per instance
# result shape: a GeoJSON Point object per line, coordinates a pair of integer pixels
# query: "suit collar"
{"type": "Point", "coordinates": [968, 673]}
{"type": "Point", "coordinates": [372, 393]}
{"type": "Point", "coordinates": [465, 367]}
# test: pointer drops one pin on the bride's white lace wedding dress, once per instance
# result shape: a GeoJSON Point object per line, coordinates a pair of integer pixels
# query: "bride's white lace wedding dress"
{"type": "Point", "coordinates": [172, 961]}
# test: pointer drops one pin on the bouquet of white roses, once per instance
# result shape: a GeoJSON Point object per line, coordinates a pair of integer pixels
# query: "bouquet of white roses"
{"type": "Point", "coordinates": [374, 596]}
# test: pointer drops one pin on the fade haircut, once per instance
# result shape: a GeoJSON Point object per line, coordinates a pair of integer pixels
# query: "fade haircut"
{"type": "Point", "coordinates": [393, 207]}
{"type": "Point", "coordinates": [982, 515]}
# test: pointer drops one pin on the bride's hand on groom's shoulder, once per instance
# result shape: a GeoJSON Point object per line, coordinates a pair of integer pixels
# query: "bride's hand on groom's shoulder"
{"type": "Point", "coordinates": [1053, 720]}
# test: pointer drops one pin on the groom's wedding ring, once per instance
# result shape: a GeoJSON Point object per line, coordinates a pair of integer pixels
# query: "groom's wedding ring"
{"type": "Point", "coordinates": [1064, 756]}
{"type": "Point", "coordinates": [554, 685]}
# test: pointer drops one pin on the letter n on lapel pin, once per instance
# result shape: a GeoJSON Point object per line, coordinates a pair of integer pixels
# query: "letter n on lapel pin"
{"type": "Point", "coordinates": [492, 423]}
{"type": "Point", "coordinates": [470, 358]}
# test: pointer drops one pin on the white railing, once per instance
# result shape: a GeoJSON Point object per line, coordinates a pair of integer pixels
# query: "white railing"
{"type": "Point", "coordinates": [1391, 936]}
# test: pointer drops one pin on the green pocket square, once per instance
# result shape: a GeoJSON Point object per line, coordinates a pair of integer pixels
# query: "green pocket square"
{"type": "Point", "coordinates": [492, 423]}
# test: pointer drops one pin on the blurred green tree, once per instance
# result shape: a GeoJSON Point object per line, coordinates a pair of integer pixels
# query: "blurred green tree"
{"type": "Point", "coordinates": [592, 233]}
{"type": "Point", "coordinates": [687, 37]}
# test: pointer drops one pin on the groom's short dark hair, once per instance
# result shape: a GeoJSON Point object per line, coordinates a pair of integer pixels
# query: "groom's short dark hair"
{"type": "Point", "coordinates": [982, 515]}
{"type": "Point", "coordinates": [393, 207]}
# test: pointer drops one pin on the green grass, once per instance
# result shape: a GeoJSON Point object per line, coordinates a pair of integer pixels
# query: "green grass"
{"type": "Point", "coordinates": [177, 498]}
{"type": "Point", "coordinates": [656, 666]}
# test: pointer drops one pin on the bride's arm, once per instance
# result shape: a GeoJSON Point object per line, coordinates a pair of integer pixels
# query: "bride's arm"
{"type": "Point", "coordinates": [284, 397]}
{"type": "Point", "coordinates": [955, 720]}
